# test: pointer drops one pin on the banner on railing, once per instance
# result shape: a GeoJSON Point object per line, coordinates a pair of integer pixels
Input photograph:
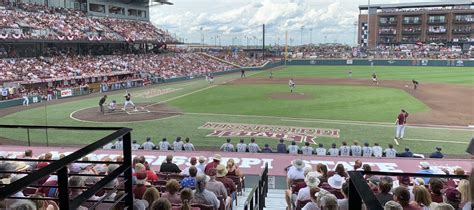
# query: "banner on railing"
{"type": "Point", "coordinates": [66, 93]}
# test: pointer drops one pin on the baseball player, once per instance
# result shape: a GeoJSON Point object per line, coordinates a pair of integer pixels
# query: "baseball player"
{"type": "Point", "coordinates": [253, 147]}
{"type": "Point", "coordinates": [164, 145]}
{"type": "Point", "coordinates": [148, 145]}
{"type": "Point", "coordinates": [400, 122]}
{"type": "Point", "coordinates": [366, 150]}
{"type": "Point", "coordinates": [356, 149]}
{"type": "Point", "coordinates": [26, 100]}
{"type": "Point", "coordinates": [227, 147]}
{"type": "Point", "coordinates": [112, 106]}
{"type": "Point", "coordinates": [271, 74]}
{"type": "Point", "coordinates": [415, 84]}
{"type": "Point", "coordinates": [101, 103]}
{"type": "Point", "coordinates": [178, 145]}
{"type": "Point", "coordinates": [135, 145]}
{"type": "Point", "coordinates": [374, 79]}
{"type": "Point", "coordinates": [306, 149]}
{"type": "Point", "coordinates": [333, 151]}
{"type": "Point", "coordinates": [321, 151]}
{"type": "Point", "coordinates": [390, 152]}
{"type": "Point", "coordinates": [128, 101]}
{"type": "Point", "coordinates": [377, 150]}
{"type": "Point", "coordinates": [211, 79]}
{"type": "Point", "coordinates": [119, 144]}
{"type": "Point", "coordinates": [293, 149]}
{"type": "Point", "coordinates": [242, 73]}
{"type": "Point", "coordinates": [291, 84]}
{"type": "Point", "coordinates": [350, 73]}
{"type": "Point", "coordinates": [345, 150]}
{"type": "Point", "coordinates": [188, 146]}
{"type": "Point", "coordinates": [108, 146]}
{"type": "Point", "coordinates": [241, 146]}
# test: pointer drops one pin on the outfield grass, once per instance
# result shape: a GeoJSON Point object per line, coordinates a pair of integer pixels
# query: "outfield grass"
{"type": "Point", "coordinates": [325, 102]}
{"type": "Point", "coordinates": [452, 75]}
{"type": "Point", "coordinates": [234, 102]}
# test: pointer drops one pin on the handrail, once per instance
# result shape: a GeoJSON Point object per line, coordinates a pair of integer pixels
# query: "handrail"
{"type": "Point", "coordinates": [359, 190]}
{"type": "Point", "coordinates": [256, 198]}
{"type": "Point", "coordinates": [60, 168]}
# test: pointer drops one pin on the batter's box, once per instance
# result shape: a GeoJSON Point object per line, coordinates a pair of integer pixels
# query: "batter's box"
{"type": "Point", "coordinates": [117, 111]}
{"type": "Point", "coordinates": [139, 110]}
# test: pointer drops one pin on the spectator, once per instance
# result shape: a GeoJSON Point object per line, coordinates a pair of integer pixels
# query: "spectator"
{"type": "Point", "coordinates": [312, 181]}
{"type": "Point", "coordinates": [425, 169]}
{"type": "Point", "coordinates": [392, 205]}
{"type": "Point", "coordinates": [357, 165]}
{"type": "Point", "coordinates": [193, 163]}
{"type": "Point", "coordinates": [178, 145]}
{"type": "Point", "coordinates": [343, 204]}
{"type": "Point", "coordinates": [333, 151]}
{"type": "Point", "coordinates": [148, 145]}
{"type": "Point", "coordinates": [141, 185]}
{"type": "Point", "coordinates": [341, 171]}
{"type": "Point", "coordinates": [150, 174]}
{"type": "Point", "coordinates": [373, 183]}
{"type": "Point", "coordinates": [186, 197]}
{"type": "Point", "coordinates": [402, 196]}
{"type": "Point", "coordinates": [323, 170]}
{"type": "Point", "coordinates": [253, 147]}
{"type": "Point", "coordinates": [169, 166]}
{"type": "Point", "coordinates": [233, 169]}
{"type": "Point", "coordinates": [190, 181]}
{"type": "Point", "coordinates": [241, 146]}
{"type": "Point", "coordinates": [313, 205]}
{"type": "Point", "coordinates": [164, 145]}
{"type": "Point", "coordinates": [201, 195]}
{"type": "Point", "coordinates": [217, 187]}
{"type": "Point", "coordinates": [172, 187]}
{"type": "Point", "coordinates": [23, 205]}
{"type": "Point", "coordinates": [48, 156]}
{"type": "Point", "coordinates": [228, 183]}
{"type": "Point", "coordinates": [293, 149]}
{"type": "Point", "coordinates": [161, 204]}
{"type": "Point", "coordinates": [202, 164]}
{"type": "Point", "coordinates": [295, 171]}
{"type": "Point", "coordinates": [463, 188]}
{"type": "Point", "coordinates": [321, 151]}
{"type": "Point", "coordinates": [216, 160]}
{"type": "Point", "coordinates": [422, 197]}
{"type": "Point", "coordinates": [307, 149]}
{"type": "Point", "coordinates": [188, 146]}
{"type": "Point", "coordinates": [407, 153]}
{"type": "Point", "coordinates": [453, 197]}
{"type": "Point", "coordinates": [29, 155]}
{"type": "Point", "coordinates": [281, 147]}
{"type": "Point", "coordinates": [384, 188]}
{"type": "Point", "coordinates": [227, 147]}
{"type": "Point", "coordinates": [441, 206]}
{"type": "Point", "coordinates": [267, 149]}
{"type": "Point", "coordinates": [151, 194]}
{"type": "Point", "coordinates": [404, 181]}
{"type": "Point", "coordinates": [437, 153]}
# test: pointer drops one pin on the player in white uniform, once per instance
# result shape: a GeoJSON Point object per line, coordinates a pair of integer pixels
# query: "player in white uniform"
{"type": "Point", "coordinates": [178, 145]}
{"type": "Point", "coordinates": [321, 151]}
{"type": "Point", "coordinates": [390, 152]}
{"type": "Point", "coordinates": [306, 149]}
{"type": "Point", "coordinates": [345, 150]}
{"type": "Point", "coordinates": [377, 150]}
{"type": "Point", "coordinates": [227, 147]}
{"type": "Point", "coordinates": [135, 145]}
{"type": "Point", "coordinates": [108, 146]}
{"type": "Point", "coordinates": [333, 151]}
{"type": "Point", "coordinates": [148, 145]}
{"type": "Point", "coordinates": [129, 102]}
{"type": "Point", "coordinates": [188, 146]}
{"type": "Point", "coordinates": [253, 147]}
{"type": "Point", "coordinates": [164, 145]}
{"type": "Point", "coordinates": [366, 150]}
{"type": "Point", "coordinates": [241, 146]}
{"type": "Point", "coordinates": [291, 84]}
{"type": "Point", "coordinates": [293, 149]}
{"type": "Point", "coordinates": [112, 106]}
{"type": "Point", "coordinates": [356, 149]}
{"type": "Point", "coordinates": [119, 144]}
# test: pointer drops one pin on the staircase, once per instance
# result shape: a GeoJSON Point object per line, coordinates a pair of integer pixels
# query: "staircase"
{"type": "Point", "coordinates": [275, 200]}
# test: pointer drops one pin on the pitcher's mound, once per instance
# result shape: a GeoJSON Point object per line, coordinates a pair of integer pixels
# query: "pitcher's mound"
{"type": "Point", "coordinates": [290, 96]}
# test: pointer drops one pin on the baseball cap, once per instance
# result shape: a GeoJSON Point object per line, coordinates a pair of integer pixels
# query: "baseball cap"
{"type": "Point", "coordinates": [452, 194]}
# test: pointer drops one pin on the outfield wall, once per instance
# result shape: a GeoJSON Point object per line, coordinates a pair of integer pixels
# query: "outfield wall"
{"type": "Point", "coordinates": [367, 62]}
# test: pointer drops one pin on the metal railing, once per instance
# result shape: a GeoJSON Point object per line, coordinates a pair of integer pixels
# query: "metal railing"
{"type": "Point", "coordinates": [256, 198]}
{"type": "Point", "coordinates": [360, 192]}
{"type": "Point", "coordinates": [59, 168]}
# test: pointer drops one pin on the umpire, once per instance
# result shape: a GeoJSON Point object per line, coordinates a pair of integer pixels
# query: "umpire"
{"type": "Point", "coordinates": [101, 103]}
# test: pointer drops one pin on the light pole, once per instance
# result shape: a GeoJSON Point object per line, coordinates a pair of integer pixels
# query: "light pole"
{"type": "Point", "coordinates": [355, 32]}
{"type": "Point", "coordinates": [302, 28]}
{"type": "Point", "coordinates": [202, 36]}
{"type": "Point", "coordinates": [311, 36]}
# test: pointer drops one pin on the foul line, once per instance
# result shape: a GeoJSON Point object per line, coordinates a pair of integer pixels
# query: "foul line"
{"type": "Point", "coordinates": [433, 140]}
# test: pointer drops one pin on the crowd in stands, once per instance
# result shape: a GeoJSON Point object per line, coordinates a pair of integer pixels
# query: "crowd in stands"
{"type": "Point", "coordinates": [48, 23]}
{"type": "Point", "coordinates": [240, 59]}
{"type": "Point", "coordinates": [344, 150]}
{"type": "Point", "coordinates": [202, 185]}
{"type": "Point", "coordinates": [66, 67]}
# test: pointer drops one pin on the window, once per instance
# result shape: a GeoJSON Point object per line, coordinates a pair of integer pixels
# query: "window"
{"type": "Point", "coordinates": [132, 12]}
{"type": "Point", "coordinates": [97, 8]}
{"type": "Point", "coordinates": [116, 10]}
{"type": "Point", "coordinates": [142, 13]}
{"type": "Point", "coordinates": [437, 19]}
{"type": "Point", "coordinates": [463, 18]}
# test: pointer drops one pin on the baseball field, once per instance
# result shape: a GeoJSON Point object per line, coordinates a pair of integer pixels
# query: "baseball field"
{"type": "Point", "coordinates": [327, 106]}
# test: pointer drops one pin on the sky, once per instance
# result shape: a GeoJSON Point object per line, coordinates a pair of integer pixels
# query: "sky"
{"type": "Point", "coordinates": [240, 21]}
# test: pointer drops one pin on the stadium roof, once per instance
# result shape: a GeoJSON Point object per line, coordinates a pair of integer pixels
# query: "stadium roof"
{"type": "Point", "coordinates": [417, 5]}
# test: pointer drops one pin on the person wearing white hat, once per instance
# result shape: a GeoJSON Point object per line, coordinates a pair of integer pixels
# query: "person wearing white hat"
{"type": "Point", "coordinates": [336, 181]}
{"type": "Point", "coordinates": [295, 171]}
{"type": "Point", "coordinates": [312, 181]}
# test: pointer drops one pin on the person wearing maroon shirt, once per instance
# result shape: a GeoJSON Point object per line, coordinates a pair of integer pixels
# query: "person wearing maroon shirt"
{"type": "Point", "coordinates": [140, 188]}
{"type": "Point", "coordinates": [216, 160]}
{"type": "Point", "coordinates": [229, 184]}
{"type": "Point", "coordinates": [400, 122]}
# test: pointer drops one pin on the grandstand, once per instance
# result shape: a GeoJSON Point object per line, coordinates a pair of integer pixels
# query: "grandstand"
{"type": "Point", "coordinates": [102, 109]}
